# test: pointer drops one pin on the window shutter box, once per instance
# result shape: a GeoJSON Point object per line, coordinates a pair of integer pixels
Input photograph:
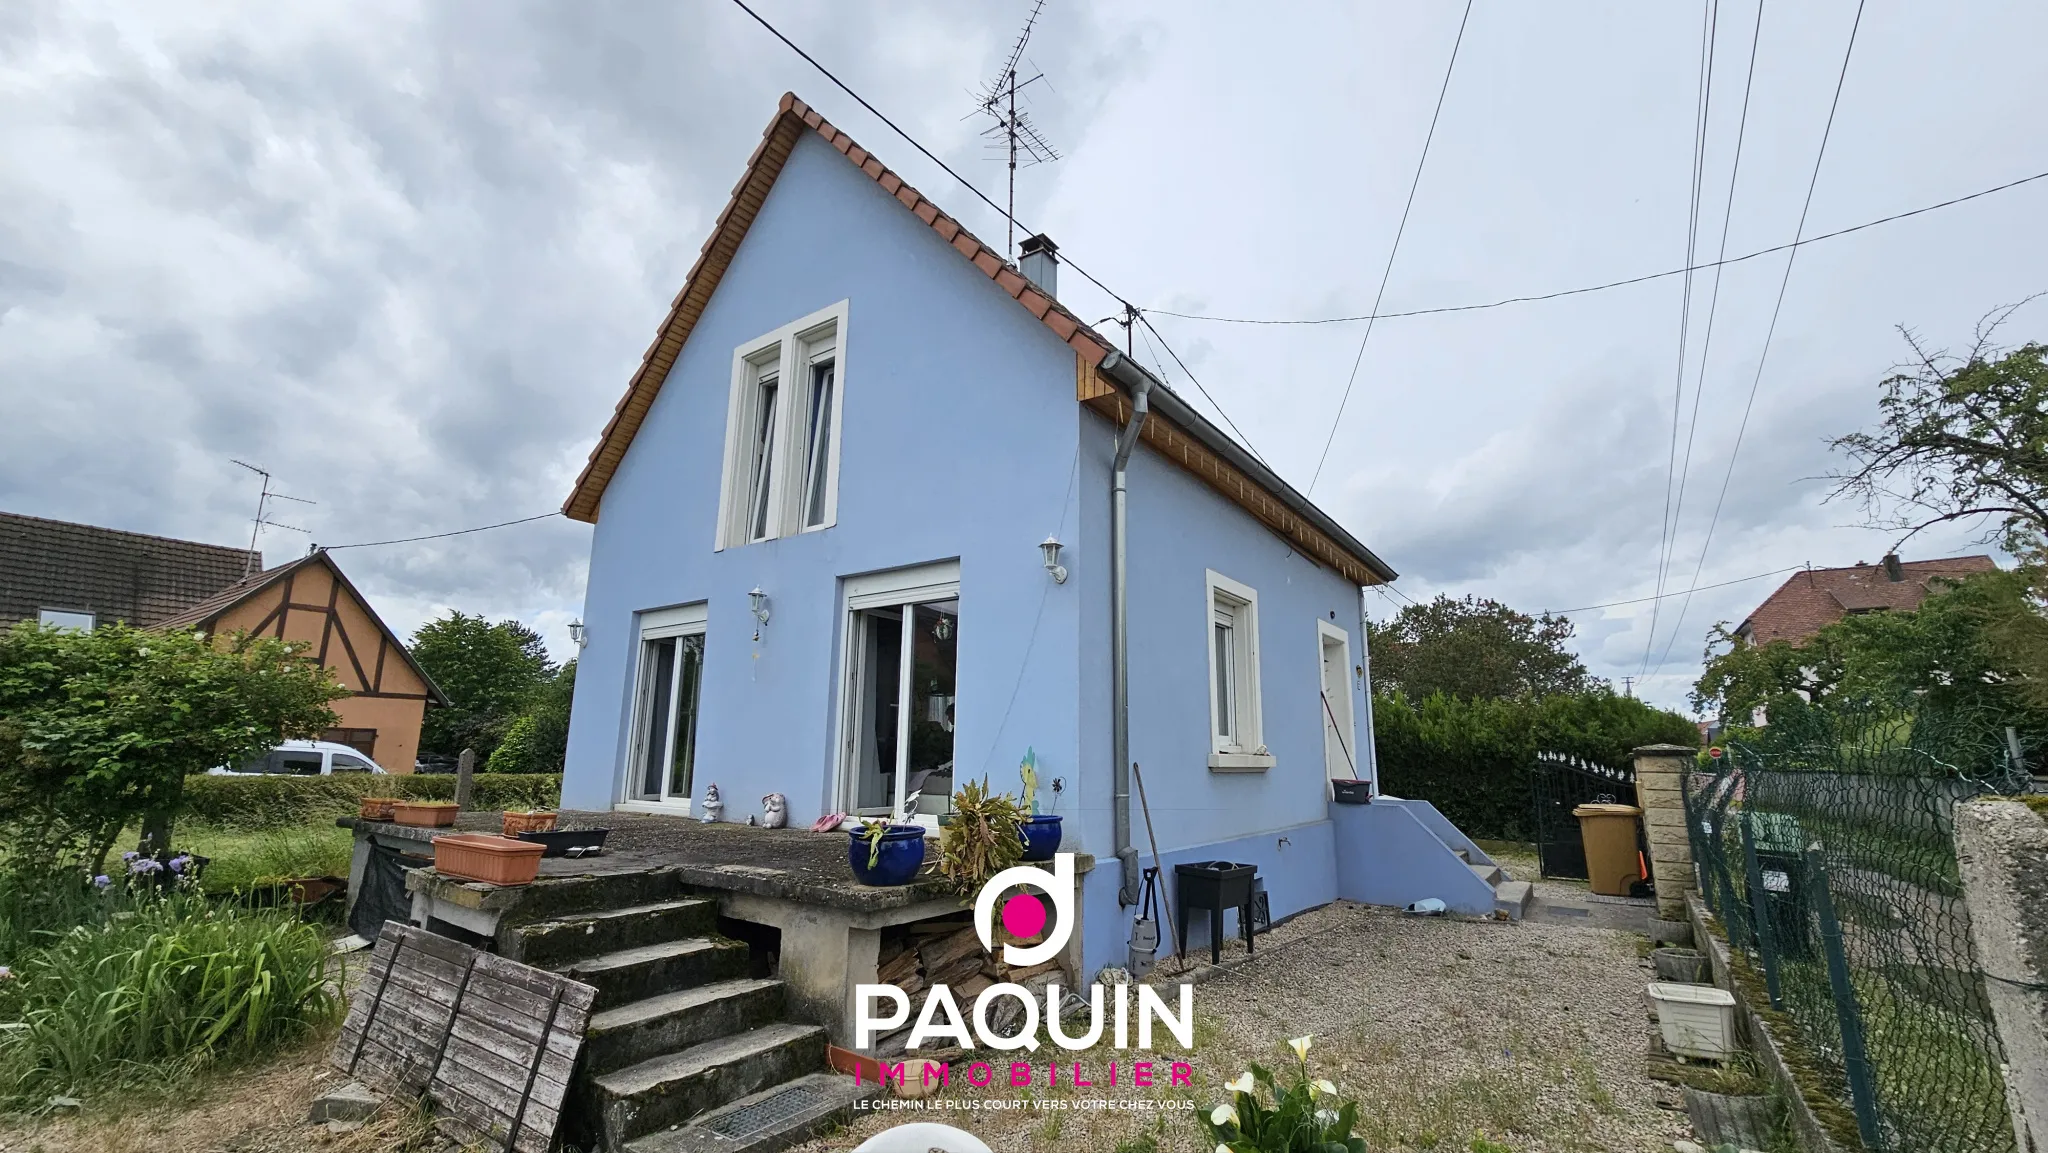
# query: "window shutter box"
{"type": "Point", "coordinates": [492, 860]}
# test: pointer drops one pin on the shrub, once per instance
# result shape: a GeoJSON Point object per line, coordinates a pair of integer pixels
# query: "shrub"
{"type": "Point", "coordinates": [272, 801]}
{"type": "Point", "coordinates": [1473, 758]}
{"type": "Point", "coordinates": [153, 986]}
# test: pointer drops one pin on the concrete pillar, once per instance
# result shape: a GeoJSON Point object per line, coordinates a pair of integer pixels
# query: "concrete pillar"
{"type": "Point", "coordinates": [465, 777]}
{"type": "Point", "coordinates": [2002, 853]}
{"type": "Point", "coordinates": [1660, 792]}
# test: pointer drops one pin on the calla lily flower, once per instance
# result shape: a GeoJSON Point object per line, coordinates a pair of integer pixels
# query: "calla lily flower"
{"type": "Point", "coordinates": [1223, 1115]}
{"type": "Point", "coordinates": [1321, 1086]}
{"type": "Point", "coordinates": [1243, 1084]}
{"type": "Point", "coordinates": [1300, 1046]}
{"type": "Point", "coordinates": [1223, 1149]}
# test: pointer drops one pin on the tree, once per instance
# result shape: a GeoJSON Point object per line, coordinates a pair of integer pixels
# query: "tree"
{"type": "Point", "coordinates": [98, 730]}
{"type": "Point", "coordinates": [489, 671]}
{"type": "Point", "coordinates": [537, 740]}
{"type": "Point", "coordinates": [1961, 438]}
{"type": "Point", "coordinates": [1476, 649]}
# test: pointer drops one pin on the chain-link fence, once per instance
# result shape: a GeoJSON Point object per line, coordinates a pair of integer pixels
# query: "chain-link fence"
{"type": "Point", "coordinates": [1825, 845]}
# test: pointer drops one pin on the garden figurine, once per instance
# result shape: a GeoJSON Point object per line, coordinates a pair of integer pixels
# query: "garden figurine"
{"type": "Point", "coordinates": [1029, 772]}
{"type": "Point", "coordinates": [712, 805]}
{"type": "Point", "coordinates": [775, 811]}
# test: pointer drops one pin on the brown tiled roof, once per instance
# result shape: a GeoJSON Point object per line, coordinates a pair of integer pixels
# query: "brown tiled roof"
{"type": "Point", "coordinates": [115, 575]}
{"type": "Point", "coordinates": [206, 613]}
{"type": "Point", "coordinates": [1816, 598]}
{"type": "Point", "coordinates": [792, 120]}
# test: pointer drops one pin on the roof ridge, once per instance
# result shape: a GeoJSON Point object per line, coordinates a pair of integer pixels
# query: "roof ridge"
{"type": "Point", "coordinates": [100, 528]}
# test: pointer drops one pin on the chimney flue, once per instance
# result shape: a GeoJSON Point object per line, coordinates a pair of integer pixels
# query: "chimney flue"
{"type": "Point", "coordinates": [1038, 259]}
{"type": "Point", "coordinates": [1892, 569]}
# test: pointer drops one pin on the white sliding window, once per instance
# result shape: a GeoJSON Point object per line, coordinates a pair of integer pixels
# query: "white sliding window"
{"type": "Point", "coordinates": [1236, 740]}
{"type": "Point", "coordinates": [782, 431]}
{"type": "Point", "coordinates": [668, 684]}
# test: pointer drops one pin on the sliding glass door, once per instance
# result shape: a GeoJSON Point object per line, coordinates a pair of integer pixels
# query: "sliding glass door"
{"type": "Point", "coordinates": [671, 675]}
{"type": "Point", "coordinates": [903, 645]}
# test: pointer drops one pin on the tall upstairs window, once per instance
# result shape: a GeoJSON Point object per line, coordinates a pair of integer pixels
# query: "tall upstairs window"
{"type": "Point", "coordinates": [782, 431]}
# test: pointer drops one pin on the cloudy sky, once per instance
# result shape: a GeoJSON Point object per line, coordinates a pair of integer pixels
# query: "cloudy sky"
{"type": "Point", "coordinates": [405, 257]}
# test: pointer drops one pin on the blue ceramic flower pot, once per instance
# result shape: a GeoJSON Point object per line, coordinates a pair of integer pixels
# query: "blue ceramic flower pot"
{"type": "Point", "coordinates": [1041, 837]}
{"type": "Point", "coordinates": [900, 856]}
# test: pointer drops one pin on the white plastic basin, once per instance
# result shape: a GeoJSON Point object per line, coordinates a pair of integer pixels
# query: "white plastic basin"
{"type": "Point", "coordinates": [1696, 1020]}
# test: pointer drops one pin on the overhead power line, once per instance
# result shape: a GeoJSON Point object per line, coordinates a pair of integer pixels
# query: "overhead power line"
{"type": "Point", "coordinates": [1792, 254]}
{"type": "Point", "coordinates": [1673, 593]}
{"type": "Point", "coordinates": [1394, 249]}
{"type": "Point", "coordinates": [439, 535]}
{"type": "Point", "coordinates": [1623, 283]}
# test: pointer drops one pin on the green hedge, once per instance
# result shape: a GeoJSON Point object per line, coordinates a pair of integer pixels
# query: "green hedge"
{"type": "Point", "coordinates": [1472, 759]}
{"type": "Point", "coordinates": [269, 802]}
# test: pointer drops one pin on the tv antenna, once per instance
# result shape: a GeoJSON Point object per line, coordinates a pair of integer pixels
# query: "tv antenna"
{"type": "Point", "coordinates": [263, 513]}
{"type": "Point", "coordinates": [1013, 131]}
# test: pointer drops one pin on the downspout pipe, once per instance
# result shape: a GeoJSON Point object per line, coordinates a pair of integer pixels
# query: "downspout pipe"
{"type": "Point", "coordinates": [1140, 383]}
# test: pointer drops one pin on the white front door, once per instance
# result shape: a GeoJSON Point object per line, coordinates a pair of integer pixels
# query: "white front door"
{"type": "Point", "coordinates": [902, 645]}
{"type": "Point", "coordinates": [1340, 758]}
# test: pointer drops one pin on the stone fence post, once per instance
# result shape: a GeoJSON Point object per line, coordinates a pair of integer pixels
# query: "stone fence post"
{"type": "Point", "coordinates": [2002, 854]}
{"type": "Point", "coordinates": [465, 777]}
{"type": "Point", "coordinates": [1660, 792]}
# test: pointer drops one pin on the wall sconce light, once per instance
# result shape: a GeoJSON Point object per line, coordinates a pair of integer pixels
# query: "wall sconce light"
{"type": "Point", "coordinates": [578, 635]}
{"type": "Point", "coordinates": [1051, 546]}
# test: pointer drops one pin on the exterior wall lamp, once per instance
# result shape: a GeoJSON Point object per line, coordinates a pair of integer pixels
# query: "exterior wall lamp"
{"type": "Point", "coordinates": [578, 635]}
{"type": "Point", "coordinates": [1051, 546]}
{"type": "Point", "coordinates": [757, 603]}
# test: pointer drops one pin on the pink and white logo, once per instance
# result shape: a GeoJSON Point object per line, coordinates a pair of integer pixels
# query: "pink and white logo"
{"type": "Point", "coordinates": [1024, 914]}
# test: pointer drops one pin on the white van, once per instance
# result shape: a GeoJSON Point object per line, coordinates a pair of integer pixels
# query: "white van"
{"type": "Point", "coordinates": [302, 759]}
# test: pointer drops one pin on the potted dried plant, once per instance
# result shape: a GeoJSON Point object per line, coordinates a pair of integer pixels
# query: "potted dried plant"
{"type": "Point", "coordinates": [984, 837]}
{"type": "Point", "coordinates": [885, 854]}
{"type": "Point", "coordinates": [424, 814]}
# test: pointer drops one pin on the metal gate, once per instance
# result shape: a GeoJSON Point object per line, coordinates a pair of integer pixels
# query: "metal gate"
{"type": "Point", "coordinates": [1563, 783]}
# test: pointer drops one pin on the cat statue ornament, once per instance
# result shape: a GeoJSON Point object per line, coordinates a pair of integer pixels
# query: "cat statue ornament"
{"type": "Point", "coordinates": [775, 811]}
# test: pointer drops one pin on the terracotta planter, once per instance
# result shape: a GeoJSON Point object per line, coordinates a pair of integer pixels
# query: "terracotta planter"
{"type": "Point", "coordinates": [424, 814]}
{"type": "Point", "coordinates": [492, 860]}
{"type": "Point", "coordinates": [535, 822]}
{"type": "Point", "coordinates": [376, 808]}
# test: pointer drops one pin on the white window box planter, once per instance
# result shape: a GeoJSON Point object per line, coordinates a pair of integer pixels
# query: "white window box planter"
{"type": "Point", "coordinates": [1696, 1020]}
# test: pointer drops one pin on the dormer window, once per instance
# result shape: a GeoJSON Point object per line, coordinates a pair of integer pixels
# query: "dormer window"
{"type": "Point", "coordinates": [782, 432]}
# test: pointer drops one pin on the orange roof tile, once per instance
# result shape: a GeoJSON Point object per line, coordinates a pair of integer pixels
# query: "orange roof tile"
{"type": "Point", "coordinates": [1816, 598]}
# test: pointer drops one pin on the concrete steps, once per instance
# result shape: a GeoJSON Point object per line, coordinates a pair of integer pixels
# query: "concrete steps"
{"type": "Point", "coordinates": [645, 971]}
{"type": "Point", "coordinates": [548, 943]}
{"type": "Point", "coordinates": [678, 1087]}
{"type": "Point", "coordinates": [765, 1122]}
{"type": "Point", "coordinates": [1513, 898]}
{"type": "Point", "coordinates": [1489, 873]}
{"type": "Point", "coordinates": [670, 1022]}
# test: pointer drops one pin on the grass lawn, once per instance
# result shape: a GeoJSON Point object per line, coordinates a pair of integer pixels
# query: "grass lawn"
{"type": "Point", "coordinates": [244, 858]}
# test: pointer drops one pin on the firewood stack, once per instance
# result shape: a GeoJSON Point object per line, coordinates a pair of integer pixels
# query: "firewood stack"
{"type": "Point", "coordinates": [945, 951]}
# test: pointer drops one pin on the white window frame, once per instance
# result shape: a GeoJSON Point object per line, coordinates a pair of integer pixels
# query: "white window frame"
{"type": "Point", "coordinates": [656, 625]}
{"type": "Point", "coordinates": [917, 584]}
{"type": "Point", "coordinates": [1347, 726]}
{"type": "Point", "coordinates": [74, 620]}
{"type": "Point", "coordinates": [788, 356]}
{"type": "Point", "coordinates": [1244, 750]}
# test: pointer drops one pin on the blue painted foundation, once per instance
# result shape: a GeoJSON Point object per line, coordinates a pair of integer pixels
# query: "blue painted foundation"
{"type": "Point", "coordinates": [1389, 853]}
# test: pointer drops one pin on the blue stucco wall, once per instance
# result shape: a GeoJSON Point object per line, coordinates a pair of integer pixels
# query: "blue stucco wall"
{"type": "Point", "coordinates": [958, 440]}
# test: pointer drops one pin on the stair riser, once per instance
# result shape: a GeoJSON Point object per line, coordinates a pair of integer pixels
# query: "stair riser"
{"type": "Point", "coordinates": [678, 1101]}
{"type": "Point", "coordinates": [628, 983]}
{"type": "Point", "coordinates": [553, 897]}
{"type": "Point", "coordinates": [558, 943]}
{"type": "Point", "coordinates": [616, 1049]}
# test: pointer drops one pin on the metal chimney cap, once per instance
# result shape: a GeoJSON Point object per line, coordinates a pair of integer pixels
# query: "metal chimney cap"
{"type": "Point", "coordinates": [1036, 244]}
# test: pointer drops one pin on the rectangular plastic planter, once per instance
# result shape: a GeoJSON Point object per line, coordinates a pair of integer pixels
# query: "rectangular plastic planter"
{"type": "Point", "coordinates": [1696, 1020]}
{"type": "Point", "coordinates": [424, 815]}
{"type": "Point", "coordinates": [492, 860]}
{"type": "Point", "coordinates": [1351, 792]}
{"type": "Point", "coordinates": [376, 808]}
{"type": "Point", "coordinates": [534, 822]}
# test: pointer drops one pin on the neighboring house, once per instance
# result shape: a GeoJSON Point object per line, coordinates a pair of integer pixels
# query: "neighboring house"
{"type": "Point", "coordinates": [817, 568]}
{"type": "Point", "coordinates": [1816, 598]}
{"type": "Point", "coordinates": [311, 600]}
{"type": "Point", "coordinates": [80, 575]}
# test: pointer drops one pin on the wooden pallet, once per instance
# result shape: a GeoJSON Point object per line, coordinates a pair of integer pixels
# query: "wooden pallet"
{"type": "Point", "coordinates": [491, 1043]}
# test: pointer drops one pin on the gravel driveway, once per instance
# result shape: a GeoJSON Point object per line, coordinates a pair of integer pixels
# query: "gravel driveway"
{"type": "Point", "coordinates": [1529, 1035]}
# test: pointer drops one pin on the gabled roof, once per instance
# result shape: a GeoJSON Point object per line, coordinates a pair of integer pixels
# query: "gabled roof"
{"type": "Point", "coordinates": [205, 615]}
{"type": "Point", "coordinates": [113, 574]}
{"type": "Point", "coordinates": [1813, 599]}
{"type": "Point", "coordinates": [1175, 429]}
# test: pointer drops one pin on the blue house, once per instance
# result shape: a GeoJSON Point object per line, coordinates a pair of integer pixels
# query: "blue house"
{"type": "Point", "coordinates": [858, 526]}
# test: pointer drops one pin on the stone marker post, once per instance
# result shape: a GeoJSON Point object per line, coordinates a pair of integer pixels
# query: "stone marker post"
{"type": "Point", "coordinates": [2002, 855]}
{"type": "Point", "coordinates": [1660, 792]}
{"type": "Point", "coordinates": [465, 776]}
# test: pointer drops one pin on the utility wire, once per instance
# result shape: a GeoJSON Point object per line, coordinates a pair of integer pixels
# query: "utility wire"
{"type": "Point", "coordinates": [1812, 182]}
{"type": "Point", "coordinates": [1185, 371]}
{"type": "Point", "coordinates": [1710, 28]}
{"type": "Point", "coordinates": [1707, 341]}
{"type": "Point", "coordinates": [1395, 249]}
{"type": "Point", "coordinates": [439, 535]}
{"type": "Point", "coordinates": [1675, 593]}
{"type": "Point", "coordinates": [1623, 283]}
